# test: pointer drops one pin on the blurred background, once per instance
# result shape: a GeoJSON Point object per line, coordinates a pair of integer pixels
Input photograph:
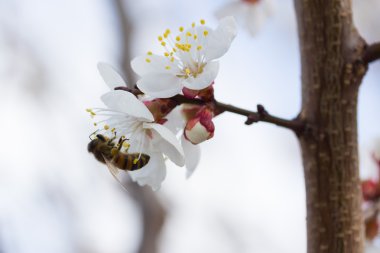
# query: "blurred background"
{"type": "Point", "coordinates": [247, 194]}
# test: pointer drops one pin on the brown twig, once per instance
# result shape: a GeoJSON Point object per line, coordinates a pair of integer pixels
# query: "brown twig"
{"type": "Point", "coordinates": [372, 53]}
{"type": "Point", "coordinates": [252, 117]}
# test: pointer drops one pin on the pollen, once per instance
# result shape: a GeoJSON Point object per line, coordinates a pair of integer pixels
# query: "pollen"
{"type": "Point", "coordinates": [135, 160]}
{"type": "Point", "coordinates": [149, 53]}
{"type": "Point", "coordinates": [202, 22]}
{"type": "Point", "coordinates": [147, 60]}
{"type": "Point", "coordinates": [205, 32]}
{"type": "Point", "coordinates": [113, 151]}
{"type": "Point", "coordinates": [167, 67]}
{"type": "Point", "coordinates": [181, 29]}
{"type": "Point", "coordinates": [106, 127]}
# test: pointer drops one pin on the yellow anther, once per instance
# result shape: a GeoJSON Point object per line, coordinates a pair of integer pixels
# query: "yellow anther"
{"type": "Point", "coordinates": [95, 124]}
{"type": "Point", "coordinates": [195, 36]}
{"type": "Point", "coordinates": [163, 43]}
{"type": "Point", "coordinates": [188, 34]}
{"type": "Point", "coordinates": [199, 48]}
{"type": "Point", "coordinates": [181, 29]}
{"type": "Point", "coordinates": [165, 35]}
{"type": "Point", "coordinates": [177, 38]}
{"type": "Point", "coordinates": [188, 71]}
{"type": "Point", "coordinates": [174, 50]}
{"type": "Point", "coordinates": [126, 144]}
{"type": "Point", "coordinates": [167, 31]}
{"type": "Point", "coordinates": [193, 24]}
{"type": "Point", "coordinates": [149, 53]}
{"type": "Point", "coordinates": [88, 110]}
{"type": "Point", "coordinates": [106, 127]}
{"type": "Point", "coordinates": [113, 130]}
{"type": "Point", "coordinates": [160, 38]}
{"type": "Point", "coordinates": [135, 160]}
{"type": "Point", "coordinates": [147, 60]}
{"type": "Point", "coordinates": [172, 59]}
{"type": "Point", "coordinates": [167, 67]}
{"type": "Point", "coordinates": [171, 53]}
{"type": "Point", "coordinates": [166, 54]}
{"type": "Point", "coordinates": [202, 22]}
{"type": "Point", "coordinates": [205, 32]}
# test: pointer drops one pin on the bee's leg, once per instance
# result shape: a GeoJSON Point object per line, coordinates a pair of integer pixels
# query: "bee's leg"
{"type": "Point", "coordinates": [112, 139]}
{"type": "Point", "coordinates": [121, 141]}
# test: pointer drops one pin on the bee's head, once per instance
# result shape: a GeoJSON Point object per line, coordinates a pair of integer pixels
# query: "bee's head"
{"type": "Point", "coordinates": [95, 142]}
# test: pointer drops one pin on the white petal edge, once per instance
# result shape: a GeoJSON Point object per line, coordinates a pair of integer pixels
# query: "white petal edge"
{"type": "Point", "coordinates": [127, 103]}
{"type": "Point", "coordinates": [152, 174]}
{"type": "Point", "coordinates": [167, 143]}
{"type": "Point", "coordinates": [156, 65]}
{"type": "Point", "coordinates": [110, 75]}
{"type": "Point", "coordinates": [205, 79]}
{"type": "Point", "coordinates": [220, 40]}
{"type": "Point", "coordinates": [160, 85]}
{"type": "Point", "coordinates": [192, 156]}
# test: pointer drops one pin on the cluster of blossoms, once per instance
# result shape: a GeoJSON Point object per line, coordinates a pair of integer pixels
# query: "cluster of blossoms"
{"type": "Point", "coordinates": [371, 196]}
{"type": "Point", "coordinates": [153, 120]}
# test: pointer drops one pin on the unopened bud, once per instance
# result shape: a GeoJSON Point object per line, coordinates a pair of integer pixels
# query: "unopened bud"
{"type": "Point", "coordinates": [200, 128]}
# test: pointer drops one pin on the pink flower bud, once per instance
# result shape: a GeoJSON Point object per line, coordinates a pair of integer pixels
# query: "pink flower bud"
{"type": "Point", "coordinates": [201, 127]}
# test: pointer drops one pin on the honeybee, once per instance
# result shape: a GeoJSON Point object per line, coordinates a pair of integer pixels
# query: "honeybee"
{"type": "Point", "coordinates": [109, 153]}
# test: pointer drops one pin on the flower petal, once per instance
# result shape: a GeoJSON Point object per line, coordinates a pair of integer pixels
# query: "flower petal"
{"type": "Point", "coordinates": [110, 75]}
{"type": "Point", "coordinates": [125, 102]}
{"type": "Point", "coordinates": [150, 64]}
{"type": "Point", "coordinates": [167, 143]}
{"type": "Point", "coordinates": [192, 156]}
{"type": "Point", "coordinates": [160, 85]}
{"type": "Point", "coordinates": [151, 174]}
{"type": "Point", "coordinates": [220, 40]}
{"type": "Point", "coordinates": [203, 80]}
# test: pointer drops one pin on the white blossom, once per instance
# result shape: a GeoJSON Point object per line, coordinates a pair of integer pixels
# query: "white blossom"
{"type": "Point", "coordinates": [127, 116]}
{"type": "Point", "coordinates": [251, 14]}
{"type": "Point", "coordinates": [188, 60]}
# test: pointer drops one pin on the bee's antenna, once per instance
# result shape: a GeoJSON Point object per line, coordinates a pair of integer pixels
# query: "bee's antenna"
{"type": "Point", "coordinates": [92, 134]}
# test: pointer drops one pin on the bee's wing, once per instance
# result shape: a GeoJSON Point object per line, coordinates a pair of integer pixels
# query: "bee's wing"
{"type": "Point", "coordinates": [121, 176]}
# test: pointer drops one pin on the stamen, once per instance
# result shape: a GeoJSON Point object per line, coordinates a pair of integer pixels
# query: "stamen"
{"type": "Point", "coordinates": [149, 53]}
{"type": "Point", "coordinates": [177, 38]}
{"type": "Point", "coordinates": [193, 24]}
{"type": "Point", "coordinates": [205, 32]}
{"type": "Point", "coordinates": [199, 48]}
{"type": "Point", "coordinates": [163, 43]}
{"type": "Point", "coordinates": [159, 38]}
{"type": "Point", "coordinates": [202, 22]}
{"type": "Point", "coordinates": [166, 54]}
{"type": "Point", "coordinates": [167, 67]}
{"type": "Point", "coordinates": [181, 29]}
{"type": "Point", "coordinates": [147, 60]}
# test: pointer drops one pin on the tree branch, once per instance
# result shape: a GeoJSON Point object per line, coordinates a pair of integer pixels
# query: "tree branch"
{"type": "Point", "coordinates": [372, 53]}
{"type": "Point", "coordinates": [252, 117]}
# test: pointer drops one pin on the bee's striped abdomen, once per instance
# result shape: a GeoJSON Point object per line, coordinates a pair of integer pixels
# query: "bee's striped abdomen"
{"type": "Point", "coordinates": [144, 159]}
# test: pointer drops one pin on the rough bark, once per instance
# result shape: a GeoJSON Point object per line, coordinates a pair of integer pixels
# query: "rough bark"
{"type": "Point", "coordinates": [332, 70]}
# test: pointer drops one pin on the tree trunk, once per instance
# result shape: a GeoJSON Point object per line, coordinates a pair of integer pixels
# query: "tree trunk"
{"type": "Point", "coordinates": [332, 70]}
